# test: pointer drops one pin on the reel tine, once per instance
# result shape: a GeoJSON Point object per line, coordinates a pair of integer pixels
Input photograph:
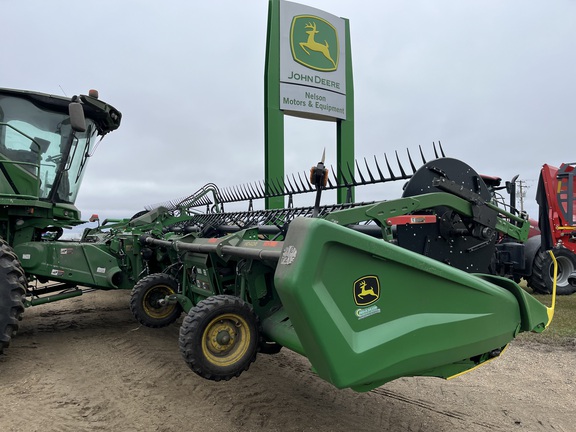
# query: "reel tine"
{"type": "Point", "coordinates": [411, 162]}
{"type": "Point", "coordinates": [294, 189]}
{"type": "Point", "coordinates": [254, 193]}
{"type": "Point", "coordinates": [400, 166]}
{"type": "Point", "coordinates": [351, 174]}
{"type": "Point", "coordinates": [359, 173]}
{"type": "Point", "coordinates": [235, 193]}
{"type": "Point", "coordinates": [228, 195]}
{"type": "Point", "coordinates": [304, 185]}
{"type": "Point", "coordinates": [422, 155]}
{"type": "Point", "coordinates": [372, 180]}
{"type": "Point", "coordinates": [276, 186]}
{"type": "Point", "coordinates": [392, 175]}
{"type": "Point", "coordinates": [435, 151]}
{"type": "Point", "coordinates": [379, 171]}
{"type": "Point", "coordinates": [261, 187]}
{"type": "Point", "coordinates": [441, 149]}
{"type": "Point", "coordinates": [330, 184]}
{"type": "Point", "coordinates": [242, 188]}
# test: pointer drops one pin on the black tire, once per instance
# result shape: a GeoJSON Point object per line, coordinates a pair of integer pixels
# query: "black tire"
{"type": "Point", "coordinates": [12, 291]}
{"type": "Point", "coordinates": [541, 280]}
{"type": "Point", "coordinates": [145, 297]}
{"type": "Point", "coordinates": [219, 337]}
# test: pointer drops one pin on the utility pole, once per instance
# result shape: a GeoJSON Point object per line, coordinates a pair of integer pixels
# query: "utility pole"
{"type": "Point", "coordinates": [522, 187]}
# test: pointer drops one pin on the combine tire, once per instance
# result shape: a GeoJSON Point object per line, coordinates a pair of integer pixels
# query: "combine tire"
{"type": "Point", "coordinates": [219, 337]}
{"type": "Point", "coordinates": [543, 272]}
{"type": "Point", "coordinates": [12, 291]}
{"type": "Point", "coordinates": [146, 297]}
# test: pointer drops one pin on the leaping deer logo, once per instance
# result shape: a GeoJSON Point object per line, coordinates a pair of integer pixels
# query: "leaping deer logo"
{"type": "Point", "coordinates": [366, 290]}
{"type": "Point", "coordinates": [312, 45]}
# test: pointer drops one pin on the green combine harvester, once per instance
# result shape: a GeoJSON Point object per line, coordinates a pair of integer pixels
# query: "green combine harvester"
{"type": "Point", "coordinates": [368, 292]}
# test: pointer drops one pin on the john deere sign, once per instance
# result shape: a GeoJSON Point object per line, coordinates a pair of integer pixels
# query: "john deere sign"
{"type": "Point", "coordinates": [308, 74]}
{"type": "Point", "coordinates": [312, 79]}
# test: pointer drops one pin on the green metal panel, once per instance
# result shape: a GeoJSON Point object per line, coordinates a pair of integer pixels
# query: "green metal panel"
{"type": "Point", "coordinates": [78, 263]}
{"type": "Point", "coordinates": [273, 116]}
{"type": "Point", "coordinates": [412, 316]}
{"type": "Point", "coordinates": [345, 128]}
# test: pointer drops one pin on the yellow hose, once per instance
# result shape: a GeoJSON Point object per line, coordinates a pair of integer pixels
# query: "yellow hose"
{"type": "Point", "coordinates": [551, 308]}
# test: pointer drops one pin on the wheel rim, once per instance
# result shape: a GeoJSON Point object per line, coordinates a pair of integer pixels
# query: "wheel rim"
{"type": "Point", "coordinates": [151, 302]}
{"type": "Point", "coordinates": [565, 269]}
{"type": "Point", "coordinates": [226, 339]}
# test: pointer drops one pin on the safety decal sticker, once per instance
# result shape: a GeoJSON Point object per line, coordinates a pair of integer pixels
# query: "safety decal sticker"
{"type": "Point", "coordinates": [288, 255]}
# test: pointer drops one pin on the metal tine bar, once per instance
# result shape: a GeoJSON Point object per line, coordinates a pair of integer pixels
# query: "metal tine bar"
{"type": "Point", "coordinates": [301, 183]}
{"type": "Point", "coordinates": [245, 193]}
{"type": "Point", "coordinates": [224, 195]}
{"type": "Point", "coordinates": [229, 195]}
{"type": "Point", "coordinates": [308, 184]}
{"type": "Point", "coordinates": [270, 188]}
{"type": "Point", "coordinates": [441, 149]}
{"type": "Point", "coordinates": [248, 191]}
{"type": "Point", "coordinates": [268, 191]}
{"type": "Point", "coordinates": [400, 166]}
{"type": "Point", "coordinates": [392, 175]}
{"type": "Point", "coordinates": [363, 181]}
{"type": "Point", "coordinates": [287, 190]}
{"type": "Point", "coordinates": [280, 186]}
{"type": "Point", "coordinates": [277, 190]}
{"type": "Point", "coordinates": [411, 162]}
{"type": "Point", "coordinates": [422, 155]}
{"type": "Point", "coordinates": [435, 151]}
{"type": "Point", "coordinates": [354, 182]}
{"type": "Point", "coordinates": [261, 188]}
{"type": "Point", "coordinates": [344, 179]}
{"type": "Point", "coordinates": [333, 172]}
{"type": "Point", "coordinates": [294, 189]}
{"type": "Point", "coordinates": [304, 185]}
{"type": "Point", "coordinates": [236, 193]}
{"type": "Point", "coordinates": [330, 185]}
{"type": "Point", "coordinates": [242, 192]}
{"type": "Point", "coordinates": [379, 171]}
{"type": "Point", "coordinates": [372, 179]}
{"type": "Point", "coordinates": [254, 193]}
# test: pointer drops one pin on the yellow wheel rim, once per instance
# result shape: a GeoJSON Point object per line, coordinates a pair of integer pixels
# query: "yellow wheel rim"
{"type": "Point", "coordinates": [150, 302]}
{"type": "Point", "coordinates": [226, 339]}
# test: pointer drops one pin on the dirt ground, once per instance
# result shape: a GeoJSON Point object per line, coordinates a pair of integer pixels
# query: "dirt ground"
{"type": "Point", "coordinates": [85, 364]}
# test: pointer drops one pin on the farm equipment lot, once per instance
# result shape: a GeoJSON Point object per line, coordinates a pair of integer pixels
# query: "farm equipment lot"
{"type": "Point", "coordinates": [86, 364]}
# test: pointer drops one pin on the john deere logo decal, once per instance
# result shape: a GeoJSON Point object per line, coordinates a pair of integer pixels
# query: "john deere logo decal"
{"type": "Point", "coordinates": [314, 43]}
{"type": "Point", "coordinates": [366, 290]}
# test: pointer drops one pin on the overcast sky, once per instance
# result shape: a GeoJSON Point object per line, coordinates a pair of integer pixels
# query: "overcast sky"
{"type": "Point", "coordinates": [493, 80]}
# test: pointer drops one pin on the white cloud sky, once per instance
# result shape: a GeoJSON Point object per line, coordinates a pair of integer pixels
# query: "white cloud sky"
{"type": "Point", "coordinates": [492, 80]}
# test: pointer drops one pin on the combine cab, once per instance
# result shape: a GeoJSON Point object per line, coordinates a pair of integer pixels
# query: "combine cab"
{"type": "Point", "coordinates": [45, 142]}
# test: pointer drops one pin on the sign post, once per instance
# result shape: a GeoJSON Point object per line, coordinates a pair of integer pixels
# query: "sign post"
{"type": "Point", "coordinates": [308, 74]}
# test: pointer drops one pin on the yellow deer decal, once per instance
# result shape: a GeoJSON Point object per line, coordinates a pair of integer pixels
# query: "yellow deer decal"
{"type": "Point", "coordinates": [312, 45]}
{"type": "Point", "coordinates": [365, 291]}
